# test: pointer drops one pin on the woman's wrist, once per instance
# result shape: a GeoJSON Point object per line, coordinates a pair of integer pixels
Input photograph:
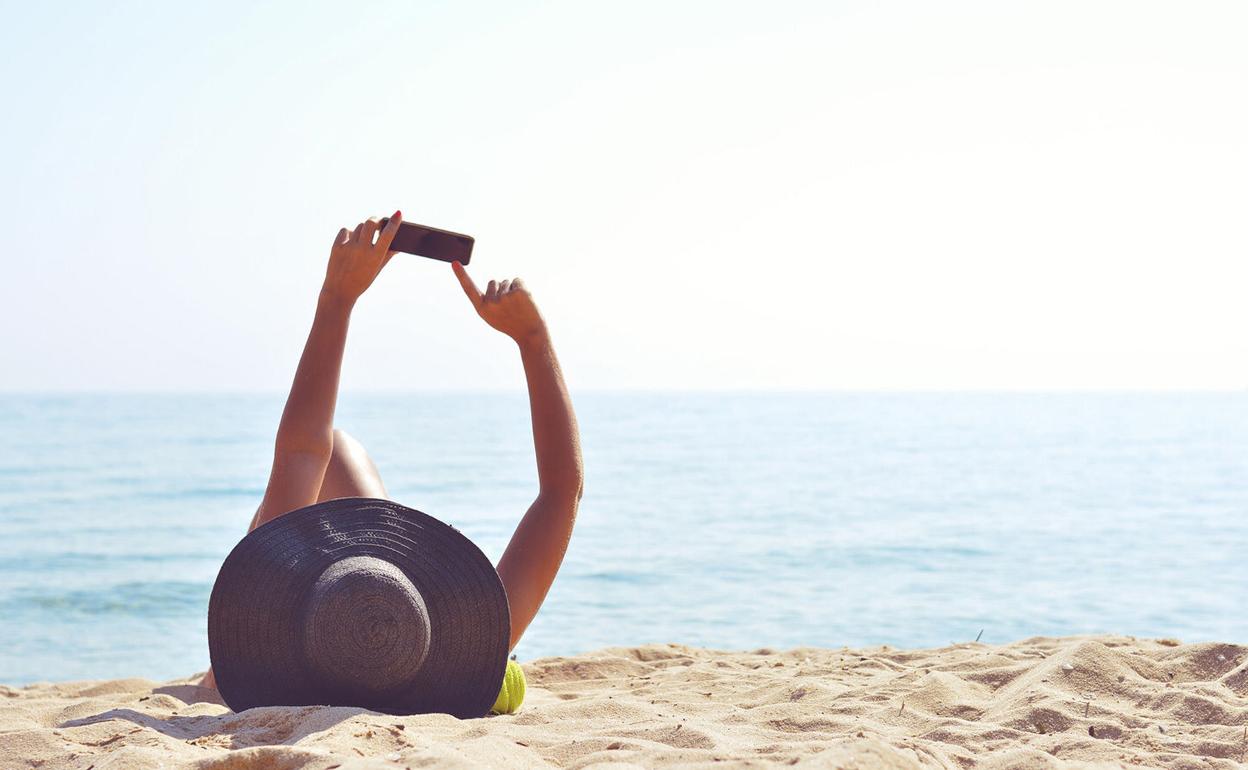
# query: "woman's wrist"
{"type": "Point", "coordinates": [535, 339]}
{"type": "Point", "coordinates": [335, 301]}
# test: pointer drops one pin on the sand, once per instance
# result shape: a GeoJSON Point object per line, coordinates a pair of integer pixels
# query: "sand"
{"type": "Point", "coordinates": [1101, 701]}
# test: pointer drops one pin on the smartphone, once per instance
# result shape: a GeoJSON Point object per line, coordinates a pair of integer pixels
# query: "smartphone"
{"type": "Point", "coordinates": [431, 242]}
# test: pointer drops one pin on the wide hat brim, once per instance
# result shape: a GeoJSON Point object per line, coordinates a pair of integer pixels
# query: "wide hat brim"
{"type": "Point", "coordinates": [259, 606]}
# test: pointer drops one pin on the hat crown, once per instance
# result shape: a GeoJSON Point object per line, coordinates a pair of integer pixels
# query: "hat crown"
{"type": "Point", "coordinates": [366, 628]}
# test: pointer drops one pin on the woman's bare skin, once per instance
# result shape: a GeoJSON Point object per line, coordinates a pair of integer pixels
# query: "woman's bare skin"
{"type": "Point", "coordinates": [313, 461]}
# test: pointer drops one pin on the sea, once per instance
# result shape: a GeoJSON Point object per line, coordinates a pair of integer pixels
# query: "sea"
{"type": "Point", "coordinates": [726, 520]}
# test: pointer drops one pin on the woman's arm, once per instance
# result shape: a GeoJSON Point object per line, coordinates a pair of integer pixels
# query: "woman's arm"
{"type": "Point", "coordinates": [536, 550]}
{"type": "Point", "coordinates": [305, 437]}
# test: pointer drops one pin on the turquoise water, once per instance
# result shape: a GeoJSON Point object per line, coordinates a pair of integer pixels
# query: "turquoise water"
{"type": "Point", "coordinates": [726, 520]}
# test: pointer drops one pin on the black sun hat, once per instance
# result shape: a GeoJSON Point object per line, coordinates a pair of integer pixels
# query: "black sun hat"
{"type": "Point", "coordinates": [359, 602]}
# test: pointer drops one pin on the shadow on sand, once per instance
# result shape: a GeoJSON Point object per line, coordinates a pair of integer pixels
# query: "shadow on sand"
{"type": "Point", "coordinates": [262, 726]}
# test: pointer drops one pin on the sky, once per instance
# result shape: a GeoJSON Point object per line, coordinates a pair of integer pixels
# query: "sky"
{"type": "Point", "coordinates": [700, 195]}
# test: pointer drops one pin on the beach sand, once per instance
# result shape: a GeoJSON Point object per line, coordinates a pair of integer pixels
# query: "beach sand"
{"type": "Point", "coordinates": [1101, 701]}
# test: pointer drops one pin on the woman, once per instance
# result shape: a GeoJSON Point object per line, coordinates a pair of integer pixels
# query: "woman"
{"type": "Point", "coordinates": [313, 461]}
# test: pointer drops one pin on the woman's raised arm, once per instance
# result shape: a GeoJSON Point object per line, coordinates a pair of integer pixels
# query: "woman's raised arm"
{"type": "Point", "coordinates": [305, 437]}
{"type": "Point", "coordinates": [536, 550]}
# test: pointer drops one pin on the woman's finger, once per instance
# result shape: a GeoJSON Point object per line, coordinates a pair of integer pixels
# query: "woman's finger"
{"type": "Point", "coordinates": [370, 230]}
{"type": "Point", "coordinates": [355, 234]}
{"type": "Point", "coordinates": [389, 231]}
{"type": "Point", "coordinates": [503, 287]}
{"type": "Point", "coordinates": [465, 281]}
{"type": "Point", "coordinates": [343, 235]}
{"type": "Point", "coordinates": [517, 284]}
{"type": "Point", "coordinates": [491, 291]}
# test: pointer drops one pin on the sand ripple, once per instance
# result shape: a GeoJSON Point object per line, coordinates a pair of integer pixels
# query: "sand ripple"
{"type": "Point", "coordinates": [1040, 703]}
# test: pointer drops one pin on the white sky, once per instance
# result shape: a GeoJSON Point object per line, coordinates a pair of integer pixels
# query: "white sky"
{"type": "Point", "coordinates": [700, 195]}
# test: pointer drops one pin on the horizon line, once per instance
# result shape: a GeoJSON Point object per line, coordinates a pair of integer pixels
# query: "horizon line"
{"type": "Point", "coordinates": [894, 390]}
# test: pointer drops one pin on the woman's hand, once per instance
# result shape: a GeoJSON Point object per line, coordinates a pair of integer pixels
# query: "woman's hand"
{"type": "Point", "coordinates": [506, 305]}
{"type": "Point", "coordinates": [355, 260]}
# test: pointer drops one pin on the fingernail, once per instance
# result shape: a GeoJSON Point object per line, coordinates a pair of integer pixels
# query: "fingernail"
{"type": "Point", "coordinates": [397, 213]}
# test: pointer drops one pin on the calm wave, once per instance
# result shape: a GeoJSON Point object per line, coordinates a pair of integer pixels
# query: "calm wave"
{"type": "Point", "coordinates": [725, 520]}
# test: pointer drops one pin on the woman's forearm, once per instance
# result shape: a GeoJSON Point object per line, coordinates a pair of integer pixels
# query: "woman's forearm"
{"type": "Point", "coordinates": [307, 424]}
{"type": "Point", "coordinates": [555, 437]}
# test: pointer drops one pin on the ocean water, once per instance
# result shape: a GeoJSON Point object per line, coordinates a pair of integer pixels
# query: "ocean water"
{"type": "Point", "coordinates": [727, 520]}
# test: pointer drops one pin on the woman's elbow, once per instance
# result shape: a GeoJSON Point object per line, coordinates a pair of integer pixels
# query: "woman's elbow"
{"type": "Point", "coordinates": [565, 491]}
